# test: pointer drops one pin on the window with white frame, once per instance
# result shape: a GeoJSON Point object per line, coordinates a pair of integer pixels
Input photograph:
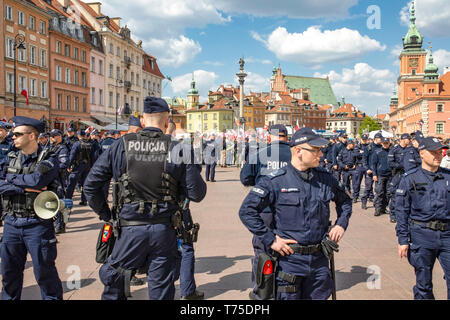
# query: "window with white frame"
{"type": "Point", "coordinates": [75, 77]}
{"type": "Point", "coordinates": [440, 127]}
{"type": "Point", "coordinates": [59, 101]}
{"type": "Point", "coordinates": [58, 73]}
{"type": "Point", "coordinates": [440, 108]}
{"type": "Point", "coordinates": [22, 83]}
{"type": "Point", "coordinates": [75, 53]}
{"type": "Point", "coordinates": [83, 56]}
{"type": "Point", "coordinates": [22, 54]}
{"type": "Point", "coordinates": [100, 67]}
{"type": "Point", "coordinates": [33, 87]}
{"type": "Point", "coordinates": [43, 58]}
{"type": "Point", "coordinates": [100, 97]}
{"type": "Point", "coordinates": [10, 48]}
{"type": "Point", "coordinates": [43, 89]}
{"type": "Point", "coordinates": [58, 46]}
{"type": "Point", "coordinates": [21, 18]}
{"type": "Point", "coordinates": [68, 102]}
{"type": "Point", "coordinates": [9, 82]}
{"type": "Point", "coordinates": [111, 48]}
{"type": "Point", "coordinates": [92, 95]}
{"type": "Point", "coordinates": [137, 80]}
{"type": "Point", "coordinates": [110, 100]}
{"type": "Point", "coordinates": [42, 27]}
{"type": "Point", "coordinates": [76, 104]}
{"type": "Point", "coordinates": [68, 80]}
{"type": "Point", "coordinates": [92, 64]}
{"type": "Point", "coordinates": [32, 25]}
{"type": "Point", "coordinates": [33, 60]}
{"type": "Point", "coordinates": [83, 79]}
{"type": "Point", "coordinates": [9, 13]}
{"type": "Point", "coordinates": [84, 105]}
{"type": "Point", "coordinates": [111, 70]}
{"type": "Point", "coordinates": [67, 50]}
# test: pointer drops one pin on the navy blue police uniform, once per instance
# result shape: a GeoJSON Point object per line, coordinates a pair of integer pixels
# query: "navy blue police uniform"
{"type": "Point", "coordinates": [5, 148]}
{"type": "Point", "coordinates": [395, 160]}
{"type": "Point", "coordinates": [299, 202]}
{"type": "Point", "coordinates": [337, 148]}
{"type": "Point", "coordinates": [347, 160]}
{"type": "Point", "coordinates": [383, 172]}
{"type": "Point", "coordinates": [368, 178]}
{"type": "Point", "coordinates": [330, 155]}
{"type": "Point", "coordinates": [211, 158]}
{"type": "Point", "coordinates": [24, 232]}
{"type": "Point", "coordinates": [147, 238]}
{"type": "Point", "coordinates": [270, 159]}
{"type": "Point", "coordinates": [412, 158]}
{"type": "Point", "coordinates": [423, 221]}
{"type": "Point", "coordinates": [80, 159]}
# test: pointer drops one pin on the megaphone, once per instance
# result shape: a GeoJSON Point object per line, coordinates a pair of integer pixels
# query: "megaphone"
{"type": "Point", "coordinates": [47, 204]}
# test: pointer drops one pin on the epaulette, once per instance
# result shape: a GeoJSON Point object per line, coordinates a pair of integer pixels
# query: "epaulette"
{"type": "Point", "coordinates": [277, 173]}
{"type": "Point", "coordinates": [410, 171]}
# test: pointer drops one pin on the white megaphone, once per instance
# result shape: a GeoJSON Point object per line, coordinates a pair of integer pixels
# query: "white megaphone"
{"type": "Point", "coordinates": [47, 204]}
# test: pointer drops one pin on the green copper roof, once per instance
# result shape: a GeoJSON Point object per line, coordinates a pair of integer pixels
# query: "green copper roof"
{"type": "Point", "coordinates": [320, 89]}
{"type": "Point", "coordinates": [413, 38]}
{"type": "Point", "coordinates": [431, 67]}
{"type": "Point", "coordinates": [394, 98]}
{"type": "Point", "coordinates": [193, 90]}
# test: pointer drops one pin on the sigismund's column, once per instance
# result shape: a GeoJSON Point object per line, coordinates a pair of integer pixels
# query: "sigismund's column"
{"type": "Point", "coordinates": [241, 75]}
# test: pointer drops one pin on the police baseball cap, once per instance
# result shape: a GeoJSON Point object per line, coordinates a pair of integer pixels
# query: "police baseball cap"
{"type": "Point", "coordinates": [351, 141]}
{"type": "Point", "coordinates": [364, 137]}
{"type": "Point", "coordinates": [25, 121]}
{"type": "Point", "coordinates": [44, 135]}
{"type": "Point", "coordinates": [134, 121]}
{"type": "Point", "coordinates": [431, 144]}
{"type": "Point", "coordinates": [55, 132]}
{"type": "Point", "coordinates": [278, 129]}
{"type": "Point", "coordinates": [378, 135]}
{"type": "Point", "coordinates": [70, 130]}
{"type": "Point", "coordinates": [343, 135]}
{"type": "Point", "coordinates": [82, 133]}
{"type": "Point", "coordinates": [385, 139]}
{"type": "Point", "coordinates": [155, 105]}
{"type": "Point", "coordinates": [307, 135]}
{"type": "Point", "coordinates": [417, 135]}
{"type": "Point", "coordinates": [5, 125]}
{"type": "Point", "coordinates": [405, 136]}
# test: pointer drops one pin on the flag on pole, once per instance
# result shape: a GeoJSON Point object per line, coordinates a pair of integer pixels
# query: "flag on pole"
{"type": "Point", "coordinates": [420, 122]}
{"type": "Point", "coordinates": [297, 127]}
{"type": "Point", "coordinates": [120, 110]}
{"type": "Point", "coordinates": [25, 94]}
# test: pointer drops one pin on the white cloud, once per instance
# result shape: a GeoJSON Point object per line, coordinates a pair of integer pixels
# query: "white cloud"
{"type": "Point", "coordinates": [432, 17]}
{"type": "Point", "coordinates": [173, 51]}
{"type": "Point", "coordinates": [441, 59]}
{"type": "Point", "coordinates": [254, 83]}
{"type": "Point", "coordinates": [204, 81]}
{"type": "Point", "coordinates": [314, 47]}
{"type": "Point", "coordinates": [363, 86]}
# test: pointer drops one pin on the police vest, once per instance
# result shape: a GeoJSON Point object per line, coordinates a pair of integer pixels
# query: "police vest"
{"type": "Point", "coordinates": [146, 180]}
{"type": "Point", "coordinates": [23, 203]}
{"type": "Point", "coordinates": [84, 155]}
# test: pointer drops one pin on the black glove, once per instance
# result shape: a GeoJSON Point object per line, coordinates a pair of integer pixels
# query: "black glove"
{"type": "Point", "coordinates": [328, 246]}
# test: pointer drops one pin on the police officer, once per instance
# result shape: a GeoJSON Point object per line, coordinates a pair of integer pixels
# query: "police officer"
{"type": "Point", "coordinates": [71, 138]}
{"type": "Point", "coordinates": [275, 156]}
{"type": "Point", "coordinates": [395, 160]}
{"type": "Point", "coordinates": [147, 237]}
{"type": "Point", "coordinates": [382, 175]}
{"type": "Point", "coordinates": [23, 175]}
{"type": "Point", "coordinates": [107, 141]}
{"type": "Point", "coordinates": [299, 195]}
{"type": "Point", "coordinates": [5, 146]}
{"type": "Point", "coordinates": [367, 161]}
{"type": "Point", "coordinates": [338, 146]}
{"type": "Point", "coordinates": [94, 139]}
{"type": "Point", "coordinates": [80, 162]}
{"type": "Point", "coordinates": [44, 139]}
{"type": "Point", "coordinates": [412, 158]}
{"type": "Point", "coordinates": [62, 154]}
{"type": "Point", "coordinates": [211, 157]}
{"type": "Point", "coordinates": [329, 159]}
{"type": "Point", "coordinates": [134, 124]}
{"type": "Point", "coordinates": [423, 217]}
{"type": "Point", "coordinates": [346, 160]}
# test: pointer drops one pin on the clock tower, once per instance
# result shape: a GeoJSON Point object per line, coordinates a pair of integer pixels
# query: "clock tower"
{"type": "Point", "coordinates": [412, 63]}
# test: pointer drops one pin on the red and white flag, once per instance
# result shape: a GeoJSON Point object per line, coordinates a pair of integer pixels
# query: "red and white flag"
{"type": "Point", "coordinates": [297, 126]}
{"type": "Point", "coordinates": [25, 94]}
{"type": "Point", "coordinates": [420, 122]}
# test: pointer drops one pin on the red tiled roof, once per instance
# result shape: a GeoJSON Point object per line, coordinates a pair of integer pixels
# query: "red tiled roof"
{"type": "Point", "coordinates": [148, 66]}
{"type": "Point", "coordinates": [349, 109]}
{"type": "Point", "coordinates": [445, 89]}
{"type": "Point", "coordinates": [114, 27]}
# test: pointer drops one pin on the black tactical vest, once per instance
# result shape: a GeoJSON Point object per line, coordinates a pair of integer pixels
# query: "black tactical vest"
{"type": "Point", "coordinates": [84, 155]}
{"type": "Point", "coordinates": [145, 180]}
{"type": "Point", "coordinates": [22, 204]}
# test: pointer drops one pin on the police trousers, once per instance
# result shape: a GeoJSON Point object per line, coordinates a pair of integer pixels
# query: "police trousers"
{"type": "Point", "coordinates": [393, 185]}
{"type": "Point", "coordinates": [150, 247]}
{"type": "Point", "coordinates": [313, 274]}
{"type": "Point", "coordinates": [368, 187]}
{"type": "Point", "coordinates": [259, 246]}
{"type": "Point", "coordinates": [210, 171]}
{"type": "Point", "coordinates": [426, 246]}
{"type": "Point", "coordinates": [186, 269]}
{"type": "Point", "coordinates": [78, 175]}
{"type": "Point", "coordinates": [39, 240]}
{"type": "Point", "coordinates": [382, 194]}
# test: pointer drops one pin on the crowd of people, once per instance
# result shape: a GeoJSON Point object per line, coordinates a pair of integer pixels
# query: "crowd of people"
{"type": "Point", "coordinates": [292, 179]}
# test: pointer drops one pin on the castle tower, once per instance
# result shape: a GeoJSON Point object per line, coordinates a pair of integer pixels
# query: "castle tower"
{"type": "Point", "coordinates": [192, 97]}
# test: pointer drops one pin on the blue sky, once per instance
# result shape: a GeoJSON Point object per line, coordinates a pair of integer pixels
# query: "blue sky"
{"type": "Point", "coordinates": [306, 38]}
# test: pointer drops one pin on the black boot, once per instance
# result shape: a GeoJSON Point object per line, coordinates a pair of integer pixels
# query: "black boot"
{"type": "Point", "coordinates": [377, 213]}
{"type": "Point", "coordinates": [136, 281]}
{"type": "Point", "coordinates": [363, 205]}
{"type": "Point", "coordinates": [197, 295]}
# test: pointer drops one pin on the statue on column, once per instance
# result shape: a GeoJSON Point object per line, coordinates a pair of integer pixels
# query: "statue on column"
{"type": "Point", "coordinates": [241, 63]}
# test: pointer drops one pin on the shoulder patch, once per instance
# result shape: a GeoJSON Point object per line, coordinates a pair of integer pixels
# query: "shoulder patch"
{"type": "Point", "coordinates": [276, 173]}
{"type": "Point", "coordinates": [259, 192]}
{"type": "Point", "coordinates": [410, 172]}
{"type": "Point", "coordinates": [400, 192]}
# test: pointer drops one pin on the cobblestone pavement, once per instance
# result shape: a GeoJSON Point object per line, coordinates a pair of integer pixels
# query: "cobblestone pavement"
{"type": "Point", "coordinates": [368, 252]}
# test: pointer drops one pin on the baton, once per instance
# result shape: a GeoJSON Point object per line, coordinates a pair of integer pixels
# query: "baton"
{"type": "Point", "coordinates": [333, 276]}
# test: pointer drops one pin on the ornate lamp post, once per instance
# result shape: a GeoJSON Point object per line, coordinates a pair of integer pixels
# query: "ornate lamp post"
{"type": "Point", "coordinates": [18, 44]}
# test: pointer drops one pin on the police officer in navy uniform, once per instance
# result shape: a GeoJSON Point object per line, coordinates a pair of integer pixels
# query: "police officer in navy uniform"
{"type": "Point", "coordinates": [44, 139]}
{"type": "Point", "coordinates": [5, 146]}
{"type": "Point", "coordinates": [299, 196]}
{"type": "Point", "coordinates": [23, 175]}
{"type": "Point", "coordinates": [62, 154]}
{"type": "Point", "coordinates": [150, 185]}
{"type": "Point", "coordinates": [338, 146]}
{"type": "Point", "coordinates": [211, 157]}
{"type": "Point", "coordinates": [70, 138]}
{"type": "Point", "coordinates": [395, 160]}
{"type": "Point", "coordinates": [366, 147]}
{"type": "Point", "coordinates": [346, 160]}
{"type": "Point", "coordinates": [329, 158]}
{"type": "Point", "coordinates": [382, 175]}
{"type": "Point", "coordinates": [275, 156]}
{"type": "Point", "coordinates": [423, 217]}
{"type": "Point", "coordinates": [412, 158]}
{"type": "Point", "coordinates": [80, 162]}
{"type": "Point", "coordinates": [368, 183]}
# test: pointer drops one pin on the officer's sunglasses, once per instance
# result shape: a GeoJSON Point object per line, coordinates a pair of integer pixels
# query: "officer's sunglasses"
{"type": "Point", "coordinates": [316, 151]}
{"type": "Point", "coordinates": [19, 134]}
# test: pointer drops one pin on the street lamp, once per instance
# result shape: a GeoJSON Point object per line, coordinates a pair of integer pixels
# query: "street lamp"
{"type": "Point", "coordinates": [18, 44]}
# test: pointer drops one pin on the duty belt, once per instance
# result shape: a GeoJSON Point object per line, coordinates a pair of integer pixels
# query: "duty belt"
{"type": "Point", "coordinates": [143, 222]}
{"type": "Point", "coordinates": [305, 249]}
{"type": "Point", "coordinates": [437, 225]}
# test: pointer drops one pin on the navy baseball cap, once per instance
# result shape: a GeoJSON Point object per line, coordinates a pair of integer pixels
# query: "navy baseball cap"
{"type": "Point", "coordinates": [71, 129]}
{"type": "Point", "coordinates": [307, 135]}
{"type": "Point", "coordinates": [431, 144]}
{"type": "Point", "coordinates": [155, 105]}
{"type": "Point", "coordinates": [405, 136]}
{"type": "Point", "coordinates": [5, 125]}
{"type": "Point", "coordinates": [343, 135]}
{"type": "Point", "coordinates": [385, 139]}
{"type": "Point", "coordinates": [44, 135]}
{"type": "Point", "coordinates": [134, 121]}
{"type": "Point", "coordinates": [55, 132]}
{"type": "Point", "coordinates": [278, 129]}
{"type": "Point", "coordinates": [351, 141]}
{"type": "Point", "coordinates": [25, 121]}
{"type": "Point", "coordinates": [364, 137]}
{"type": "Point", "coordinates": [418, 135]}
{"type": "Point", "coordinates": [81, 133]}
{"type": "Point", "coordinates": [378, 135]}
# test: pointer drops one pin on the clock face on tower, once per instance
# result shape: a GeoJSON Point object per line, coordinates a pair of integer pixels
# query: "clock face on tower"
{"type": "Point", "coordinates": [413, 63]}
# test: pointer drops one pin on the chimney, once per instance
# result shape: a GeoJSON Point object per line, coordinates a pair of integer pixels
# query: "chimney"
{"type": "Point", "coordinates": [96, 6]}
{"type": "Point", "coordinates": [116, 20]}
{"type": "Point", "coordinates": [64, 3]}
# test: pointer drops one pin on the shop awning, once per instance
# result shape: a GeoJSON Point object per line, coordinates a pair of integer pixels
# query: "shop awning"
{"type": "Point", "coordinates": [92, 124]}
{"type": "Point", "coordinates": [103, 119]}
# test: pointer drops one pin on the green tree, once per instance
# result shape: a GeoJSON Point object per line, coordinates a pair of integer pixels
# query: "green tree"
{"type": "Point", "coordinates": [370, 124]}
